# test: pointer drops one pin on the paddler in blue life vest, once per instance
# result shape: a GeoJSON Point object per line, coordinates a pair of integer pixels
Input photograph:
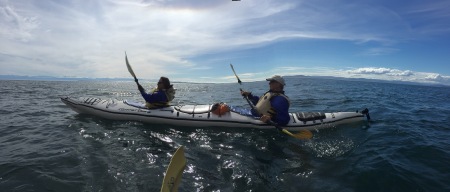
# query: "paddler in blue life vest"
{"type": "Point", "coordinates": [274, 104]}
{"type": "Point", "coordinates": [159, 96]}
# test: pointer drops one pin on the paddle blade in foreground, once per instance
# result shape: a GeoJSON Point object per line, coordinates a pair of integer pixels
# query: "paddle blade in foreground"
{"type": "Point", "coordinates": [303, 134]}
{"type": "Point", "coordinates": [174, 172]}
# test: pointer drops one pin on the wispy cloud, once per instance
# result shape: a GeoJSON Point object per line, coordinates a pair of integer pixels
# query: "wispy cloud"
{"type": "Point", "coordinates": [380, 51]}
{"type": "Point", "coordinates": [16, 26]}
{"type": "Point", "coordinates": [429, 18]}
{"type": "Point", "coordinates": [88, 38]}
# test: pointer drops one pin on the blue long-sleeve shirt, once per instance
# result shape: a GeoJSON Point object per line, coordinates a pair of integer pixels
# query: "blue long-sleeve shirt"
{"type": "Point", "coordinates": [280, 105]}
{"type": "Point", "coordinates": [155, 97]}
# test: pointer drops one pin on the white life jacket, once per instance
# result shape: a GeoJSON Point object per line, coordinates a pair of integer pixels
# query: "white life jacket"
{"type": "Point", "coordinates": [264, 107]}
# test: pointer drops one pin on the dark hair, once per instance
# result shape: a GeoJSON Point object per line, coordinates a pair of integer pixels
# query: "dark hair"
{"type": "Point", "coordinates": [166, 82]}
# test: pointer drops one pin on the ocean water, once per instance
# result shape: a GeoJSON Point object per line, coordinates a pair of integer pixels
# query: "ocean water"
{"type": "Point", "coordinates": [45, 146]}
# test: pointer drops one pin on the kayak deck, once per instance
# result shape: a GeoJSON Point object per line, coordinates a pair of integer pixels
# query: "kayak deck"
{"type": "Point", "coordinates": [201, 115]}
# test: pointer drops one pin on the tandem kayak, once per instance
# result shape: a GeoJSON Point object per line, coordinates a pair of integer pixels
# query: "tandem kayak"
{"type": "Point", "coordinates": [201, 115]}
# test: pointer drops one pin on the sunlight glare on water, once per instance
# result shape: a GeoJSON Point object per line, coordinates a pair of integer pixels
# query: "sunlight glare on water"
{"type": "Point", "coordinates": [48, 147]}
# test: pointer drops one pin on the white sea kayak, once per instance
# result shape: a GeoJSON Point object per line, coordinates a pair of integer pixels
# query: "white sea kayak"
{"type": "Point", "coordinates": [201, 116]}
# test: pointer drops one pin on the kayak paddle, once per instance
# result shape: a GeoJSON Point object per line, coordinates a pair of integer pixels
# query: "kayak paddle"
{"type": "Point", "coordinates": [239, 81]}
{"type": "Point", "coordinates": [303, 134]}
{"type": "Point", "coordinates": [174, 171]}
{"type": "Point", "coordinates": [130, 69]}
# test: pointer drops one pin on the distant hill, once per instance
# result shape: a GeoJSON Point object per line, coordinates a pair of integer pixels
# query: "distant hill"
{"type": "Point", "coordinates": [369, 80]}
{"type": "Point", "coordinates": [49, 78]}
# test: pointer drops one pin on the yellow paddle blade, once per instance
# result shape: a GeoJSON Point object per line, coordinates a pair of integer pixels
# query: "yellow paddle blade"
{"type": "Point", "coordinates": [232, 68]}
{"type": "Point", "coordinates": [303, 134]}
{"type": "Point", "coordinates": [174, 171]}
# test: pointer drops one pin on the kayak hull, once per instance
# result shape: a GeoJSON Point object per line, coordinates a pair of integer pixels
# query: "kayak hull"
{"type": "Point", "coordinates": [200, 115]}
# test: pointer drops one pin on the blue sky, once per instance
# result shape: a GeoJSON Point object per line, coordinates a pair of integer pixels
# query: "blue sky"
{"type": "Point", "coordinates": [197, 40]}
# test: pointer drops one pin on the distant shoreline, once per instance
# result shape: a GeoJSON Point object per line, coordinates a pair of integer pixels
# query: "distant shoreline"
{"type": "Point", "coordinates": [50, 78]}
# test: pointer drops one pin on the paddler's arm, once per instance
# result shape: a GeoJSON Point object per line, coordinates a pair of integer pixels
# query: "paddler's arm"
{"type": "Point", "coordinates": [158, 96]}
{"type": "Point", "coordinates": [253, 99]}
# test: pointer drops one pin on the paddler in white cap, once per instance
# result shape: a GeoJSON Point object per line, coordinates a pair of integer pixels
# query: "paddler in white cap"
{"type": "Point", "coordinates": [274, 104]}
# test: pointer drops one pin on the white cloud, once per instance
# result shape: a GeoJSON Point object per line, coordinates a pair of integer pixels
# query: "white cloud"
{"type": "Point", "coordinates": [400, 75]}
{"type": "Point", "coordinates": [438, 78]}
{"type": "Point", "coordinates": [376, 73]}
{"type": "Point", "coordinates": [88, 38]}
{"type": "Point", "coordinates": [382, 70]}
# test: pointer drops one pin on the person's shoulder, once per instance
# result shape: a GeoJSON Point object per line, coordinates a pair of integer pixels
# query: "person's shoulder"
{"type": "Point", "coordinates": [280, 98]}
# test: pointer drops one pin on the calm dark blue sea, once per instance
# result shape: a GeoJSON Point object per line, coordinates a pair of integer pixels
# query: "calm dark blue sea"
{"type": "Point", "coordinates": [45, 146]}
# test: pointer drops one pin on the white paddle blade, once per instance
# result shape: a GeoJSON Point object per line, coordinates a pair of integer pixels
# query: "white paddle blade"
{"type": "Point", "coordinates": [129, 66]}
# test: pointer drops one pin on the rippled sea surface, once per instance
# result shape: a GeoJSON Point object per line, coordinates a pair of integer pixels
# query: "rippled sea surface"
{"type": "Point", "coordinates": [45, 146]}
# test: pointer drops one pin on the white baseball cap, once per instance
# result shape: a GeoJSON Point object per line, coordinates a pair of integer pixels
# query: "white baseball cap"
{"type": "Point", "coordinates": [276, 78]}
